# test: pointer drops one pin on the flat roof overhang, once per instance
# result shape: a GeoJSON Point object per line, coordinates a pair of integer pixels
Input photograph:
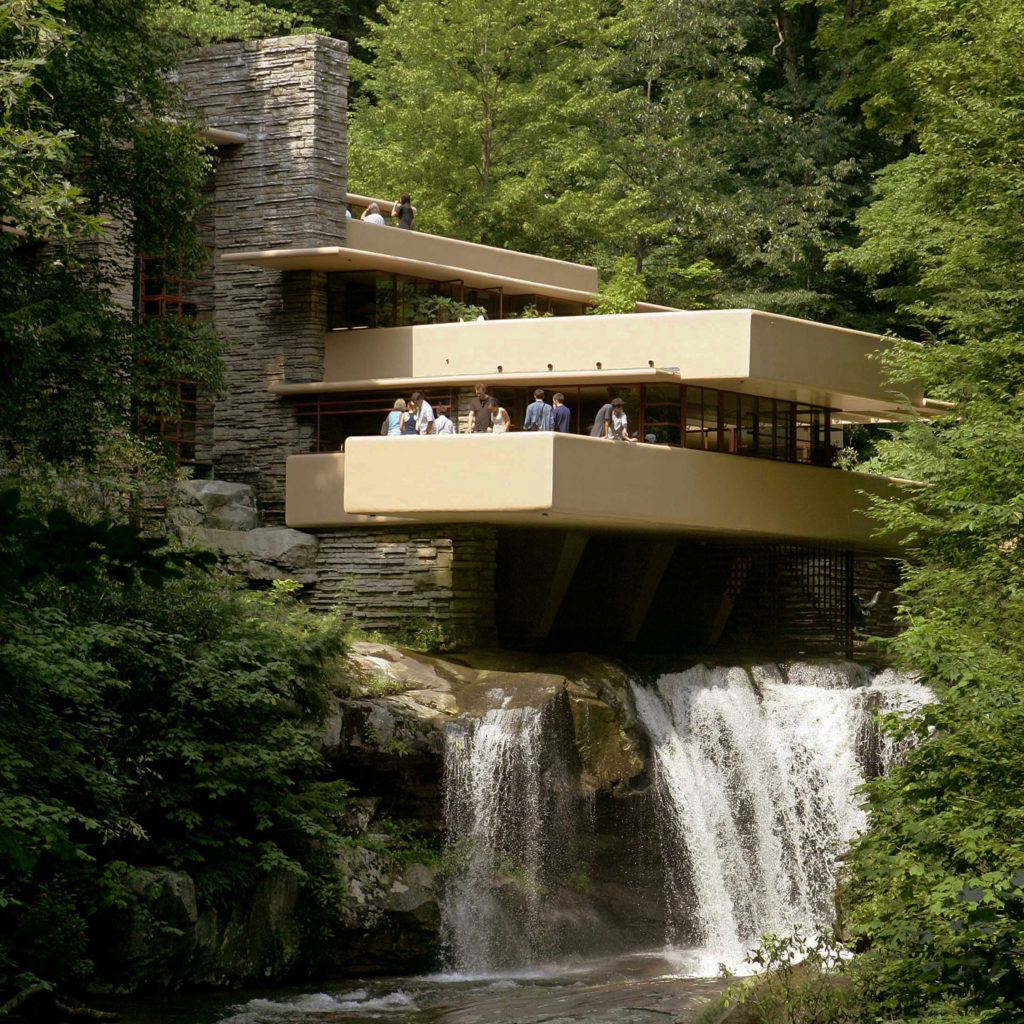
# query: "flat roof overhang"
{"type": "Point", "coordinates": [734, 350]}
{"type": "Point", "coordinates": [434, 258]}
{"type": "Point", "coordinates": [581, 483]}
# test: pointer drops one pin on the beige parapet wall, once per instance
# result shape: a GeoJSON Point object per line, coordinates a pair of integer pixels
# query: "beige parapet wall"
{"type": "Point", "coordinates": [567, 481]}
{"type": "Point", "coordinates": [741, 350]}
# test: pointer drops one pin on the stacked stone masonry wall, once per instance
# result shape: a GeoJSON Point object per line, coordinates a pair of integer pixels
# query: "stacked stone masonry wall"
{"type": "Point", "coordinates": [284, 187]}
{"type": "Point", "coordinates": [388, 577]}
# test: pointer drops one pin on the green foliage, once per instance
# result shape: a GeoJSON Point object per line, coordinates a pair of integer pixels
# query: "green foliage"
{"type": "Point", "coordinates": [150, 712]}
{"type": "Point", "coordinates": [420, 634]}
{"type": "Point", "coordinates": [694, 137]}
{"type": "Point", "coordinates": [529, 312]}
{"type": "Point", "coordinates": [474, 163]}
{"type": "Point", "coordinates": [621, 292]}
{"type": "Point", "coordinates": [933, 895]}
{"type": "Point", "coordinates": [440, 309]}
{"type": "Point", "coordinates": [36, 192]}
{"type": "Point", "coordinates": [199, 22]}
{"type": "Point", "coordinates": [93, 136]}
{"type": "Point", "coordinates": [800, 981]}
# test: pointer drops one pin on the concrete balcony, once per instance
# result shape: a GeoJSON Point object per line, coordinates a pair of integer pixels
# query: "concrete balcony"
{"type": "Point", "coordinates": [739, 350]}
{"type": "Point", "coordinates": [580, 483]}
{"type": "Point", "coordinates": [434, 258]}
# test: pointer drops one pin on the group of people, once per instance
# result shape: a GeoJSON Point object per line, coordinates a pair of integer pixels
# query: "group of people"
{"type": "Point", "coordinates": [403, 212]}
{"type": "Point", "coordinates": [486, 416]}
{"type": "Point", "coordinates": [416, 416]}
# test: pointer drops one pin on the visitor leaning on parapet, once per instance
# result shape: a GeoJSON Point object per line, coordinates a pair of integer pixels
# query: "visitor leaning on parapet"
{"type": "Point", "coordinates": [615, 427]}
{"type": "Point", "coordinates": [560, 414]}
{"type": "Point", "coordinates": [372, 214]}
{"type": "Point", "coordinates": [404, 212]}
{"type": "Point", "coordinates": [442, 423]}
{"type": "Point", "coordinates": [538, 413]}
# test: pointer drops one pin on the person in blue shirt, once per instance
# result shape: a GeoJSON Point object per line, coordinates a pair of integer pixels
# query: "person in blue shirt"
{"type": "Point", "coordinates": [538, 413]}
{"type": "Point", "coordinates": [560, 414]}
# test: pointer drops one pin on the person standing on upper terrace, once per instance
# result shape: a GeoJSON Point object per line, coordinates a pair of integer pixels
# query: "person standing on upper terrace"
{"type": "Point", "coordinates": [479, 414]}
{"type": "Point", "coordinates": [404, 212]}
{"type": "Point", "coordinates": [560, 414]}
{"type": "Point", "coordinates": [372, 214]}
{"type": "Point", "coordinates": [538, 413]}
{"type": "Point", "coordinates": [424, 414]}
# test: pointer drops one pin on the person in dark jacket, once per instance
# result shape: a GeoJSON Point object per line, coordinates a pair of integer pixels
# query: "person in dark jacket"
{"type": "Point", "coordinates": [404, 212]}
{"type": "Point", "coordinates": [560, 414]}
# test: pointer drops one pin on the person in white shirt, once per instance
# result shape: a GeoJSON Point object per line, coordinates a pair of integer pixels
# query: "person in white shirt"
{"type": "Point", "coordinates": [424, 413]}
{"type": "Point", "coordinates": [500, 420]}
{"type": "Point", "coordinates": [616, 425]}
{"type": "Point", "coordinates": [442, 424]}
{"type": "Point", "coordinates": [372, 215]}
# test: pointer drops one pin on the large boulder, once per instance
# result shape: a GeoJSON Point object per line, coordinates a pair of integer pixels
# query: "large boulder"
{"type": "Point", "coordinates": [608, 754]}
{"type": "Point", "coordinates": [215, 504]}
{"type": "Point", "coordinates": [256, 940]}
{"type": "Point", "coordinates": [149, 942]}
{"type": "Point", "coordinates": [263, 554]}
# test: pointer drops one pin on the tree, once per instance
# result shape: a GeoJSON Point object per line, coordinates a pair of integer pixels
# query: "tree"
{"type": "Point", "coordinates": [461, 105]}
{"type": "Point", "coordinates": [673, 78]}
{"type": "Point", "coordinates": [150, 712]}
{"type": "Point", "coordinates": [93, 135]}
{"type": "Point", "coordinates": [934, 895]}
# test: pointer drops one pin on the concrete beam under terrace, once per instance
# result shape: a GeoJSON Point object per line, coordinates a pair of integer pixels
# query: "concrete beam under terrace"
{"type": "Point", "coordinates": [586, 484]}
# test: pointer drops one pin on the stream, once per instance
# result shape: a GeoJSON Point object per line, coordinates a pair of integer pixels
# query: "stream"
{"type": "Point", "coordinates": [661, 986]}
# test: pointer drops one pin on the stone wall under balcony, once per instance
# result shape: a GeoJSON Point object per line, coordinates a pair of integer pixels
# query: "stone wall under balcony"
{"type": "Point", "coordinates": [395, 578]}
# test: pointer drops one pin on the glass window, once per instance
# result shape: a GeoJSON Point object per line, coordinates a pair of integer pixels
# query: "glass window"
{"type": "Point", "coordinates": [748, 425]}
{"type": "Point", "coordinates": [351, 299]}
{"type": "Point", "coordinates": [488, 298]}
{"type": "Point", "coordinates": [783, 430]}
{"type": "Point", "coordinates": [710, 418]}
{"type": "Point", "coordinates": [663, 412]}
{"type": "Point", "coordinates": [694, 417]}
{"type": "Point", "coordinates": [729, 439]}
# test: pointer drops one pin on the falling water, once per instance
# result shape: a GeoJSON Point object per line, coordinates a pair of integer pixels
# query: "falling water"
{"type": "Point", "coordinates": [757, 771]}
{"type": "Point", "coordinates": [754, 774]}
{"type": "Point", "coordinates": [511, 810]}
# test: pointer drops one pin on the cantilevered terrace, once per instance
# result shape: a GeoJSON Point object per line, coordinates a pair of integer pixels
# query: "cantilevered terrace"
{"type": "Point", "coordinates": [698, 385]}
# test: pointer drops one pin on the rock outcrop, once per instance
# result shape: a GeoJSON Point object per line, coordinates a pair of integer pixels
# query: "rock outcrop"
{"type": "Point", "coordinates": [223, 517]}
{"type": "Point", "coordinates": [384, 733]}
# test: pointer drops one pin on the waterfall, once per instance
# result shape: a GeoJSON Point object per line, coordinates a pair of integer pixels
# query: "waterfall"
{"type": "Point", "coordinates": [511, 810]}
{"type": "Point", "coordinates": [753, 773]}
{"type": "Point", "coordinates": [756, 771]}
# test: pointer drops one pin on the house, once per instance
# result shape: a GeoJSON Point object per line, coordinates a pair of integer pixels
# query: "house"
{"type": "Point", "coordinates": [725, 526]}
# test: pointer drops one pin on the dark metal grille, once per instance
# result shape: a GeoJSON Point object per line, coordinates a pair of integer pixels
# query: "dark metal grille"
{"type": "Point", "coordinates": [164, 293]}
